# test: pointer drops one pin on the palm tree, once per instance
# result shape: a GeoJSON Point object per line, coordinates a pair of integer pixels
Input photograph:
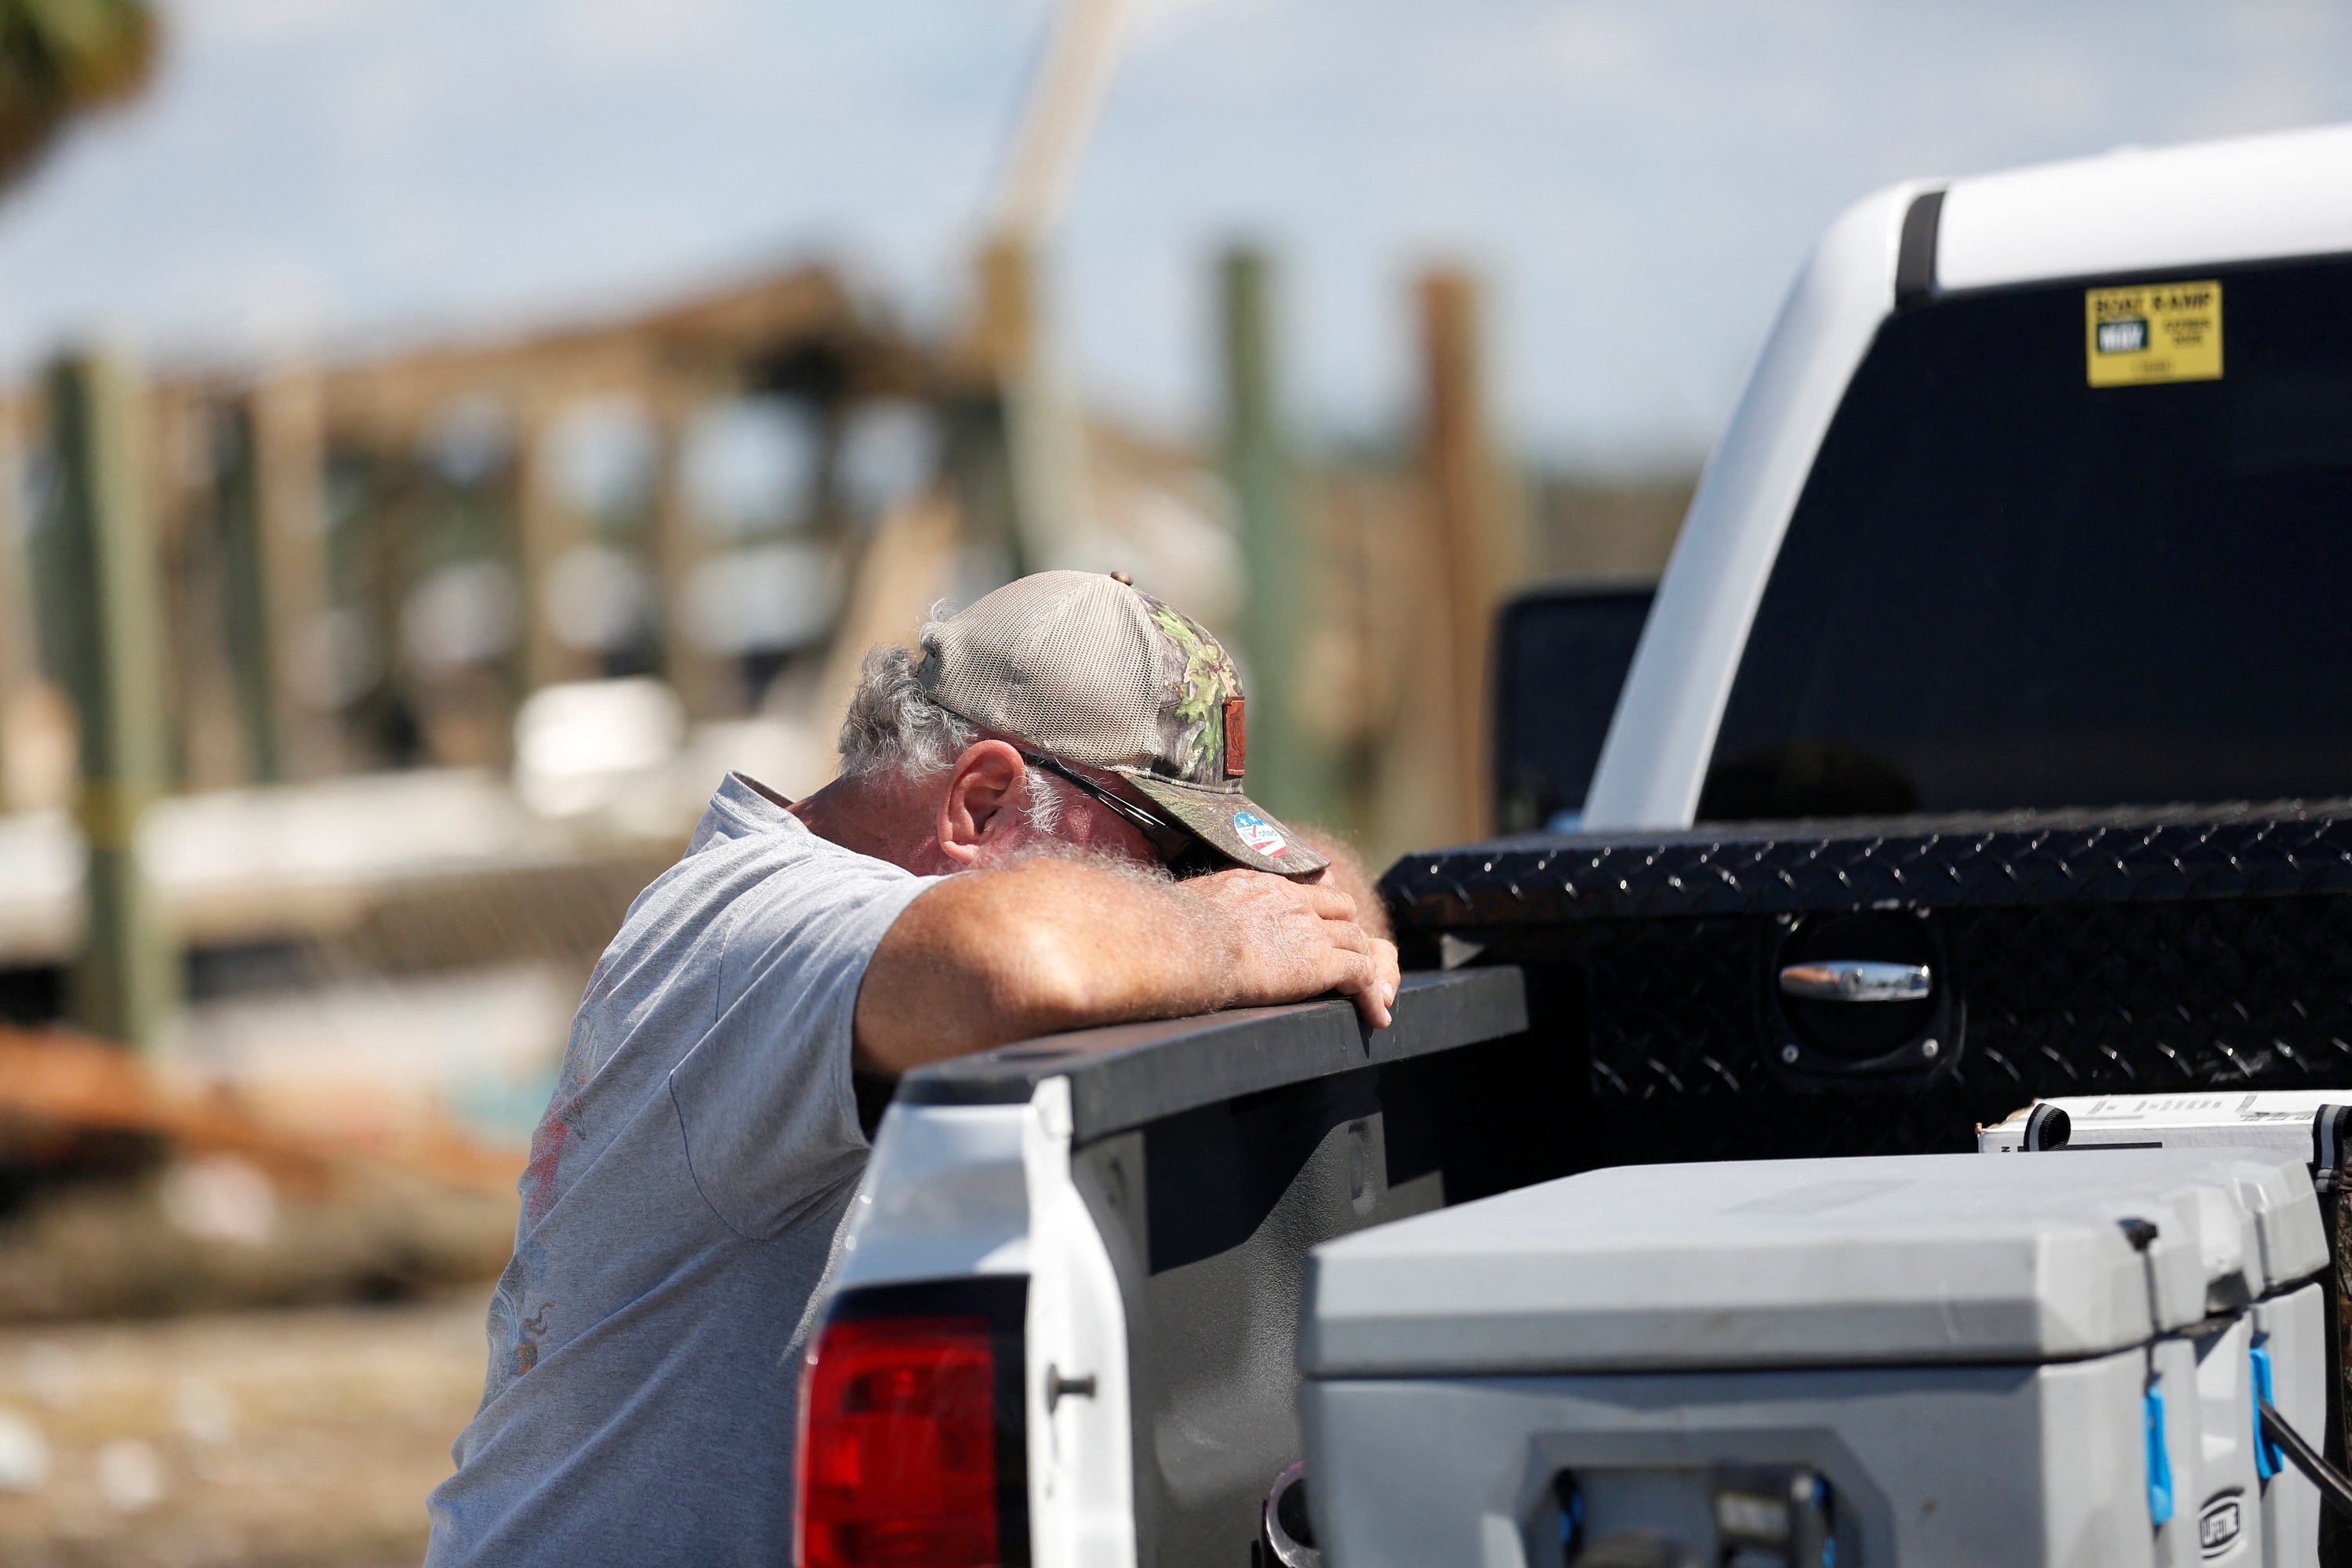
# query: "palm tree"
{"type": "Point", "coordinates": [60, 58]}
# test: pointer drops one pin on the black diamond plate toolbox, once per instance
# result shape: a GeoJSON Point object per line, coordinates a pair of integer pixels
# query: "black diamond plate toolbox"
{"type": "Point", "coordinates": [2071, 953]}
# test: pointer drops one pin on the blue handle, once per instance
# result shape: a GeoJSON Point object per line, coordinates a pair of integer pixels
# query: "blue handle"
{"type": "Point", "coordinates": [2268, 1460]}
{"type": "Point", "coordinates": [2159, 1463]}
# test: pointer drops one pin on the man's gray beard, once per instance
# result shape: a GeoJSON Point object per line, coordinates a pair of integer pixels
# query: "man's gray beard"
{"type": "Point", "coordinates": [1061, 849]}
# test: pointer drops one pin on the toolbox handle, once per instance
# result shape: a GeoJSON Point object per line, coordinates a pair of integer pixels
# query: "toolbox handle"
{"type": "Point", "coordinates": [1856, 980]}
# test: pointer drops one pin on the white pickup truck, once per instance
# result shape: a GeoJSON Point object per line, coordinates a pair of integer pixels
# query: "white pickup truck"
{"type": "Point", "coordinates": [2026, 552]}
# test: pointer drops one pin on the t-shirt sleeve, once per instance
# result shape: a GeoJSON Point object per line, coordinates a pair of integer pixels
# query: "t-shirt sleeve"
{"type": "Point", "coordinates": [764, 1100]}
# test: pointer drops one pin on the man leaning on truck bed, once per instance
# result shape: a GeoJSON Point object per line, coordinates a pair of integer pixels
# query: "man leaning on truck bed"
{"type": "Point", "coordinates": [1039, 825]}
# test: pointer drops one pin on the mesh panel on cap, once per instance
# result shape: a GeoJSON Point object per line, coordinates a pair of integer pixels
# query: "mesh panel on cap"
{"type": "Point", "coordinates": [1066, 660]}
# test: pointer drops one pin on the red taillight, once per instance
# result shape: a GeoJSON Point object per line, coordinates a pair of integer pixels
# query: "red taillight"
{"type": "Point", "coordinates": [897, 1446]}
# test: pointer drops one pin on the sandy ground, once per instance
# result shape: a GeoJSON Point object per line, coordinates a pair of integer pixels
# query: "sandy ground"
{"type": "Point", "coordinates": [304, 1435]}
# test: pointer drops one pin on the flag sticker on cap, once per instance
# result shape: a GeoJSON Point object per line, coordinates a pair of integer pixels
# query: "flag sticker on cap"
{"type": "Point", "coordinates": [1258, 833]}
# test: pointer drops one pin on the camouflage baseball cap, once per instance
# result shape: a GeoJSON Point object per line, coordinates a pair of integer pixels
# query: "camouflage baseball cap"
{"type": "Point", "coordinates": [1088, 669]}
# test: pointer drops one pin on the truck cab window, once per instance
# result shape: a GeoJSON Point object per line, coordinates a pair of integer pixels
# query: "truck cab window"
{"type": "Point", "coordinates": [2004, 587]}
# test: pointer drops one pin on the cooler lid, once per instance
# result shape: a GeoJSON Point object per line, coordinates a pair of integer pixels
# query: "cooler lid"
{"type": "Point", "coordinates": [1890, 1260]}
{"type": "Point", "coordinates": [2285, 1244]}
{"type": "Point", "coordinates": [2280, 1241]}
{"type": "Point", "coordinates": [2250, 1119]}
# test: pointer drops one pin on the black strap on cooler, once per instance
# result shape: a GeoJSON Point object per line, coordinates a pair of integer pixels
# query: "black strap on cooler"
{"type": "Point", "coordinates": [2332, 1484]}
{"type": "Point", "coordinates": [2331, 1140]}
{"type": "Point", "coordinates": [2331, 1147]}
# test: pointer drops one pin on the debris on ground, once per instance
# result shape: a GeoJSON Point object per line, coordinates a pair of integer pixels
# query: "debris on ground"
{"type": "Point", "coordinates": [301, 1439]}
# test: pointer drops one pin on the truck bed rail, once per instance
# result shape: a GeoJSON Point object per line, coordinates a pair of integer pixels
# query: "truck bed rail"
{"type": "Point", "coordinates": [1211, 1154]}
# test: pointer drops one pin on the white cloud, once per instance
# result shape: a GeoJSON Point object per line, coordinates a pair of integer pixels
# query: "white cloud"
{"type": "Point", "coordinates": [275, 21]}
{"type": "Point", "coordinates": [2267, 94]}
{"type": "Point", "coordinates": [609, 35]}
{"type": "Point", "coordinates": [1592, 46]}
{"type": "Point", "coordinates": [1150, 17]}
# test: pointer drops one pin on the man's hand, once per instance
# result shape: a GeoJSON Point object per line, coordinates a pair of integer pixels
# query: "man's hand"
{"type": "Point", "coordinates": [1346, 873]}
{"type": "Point", "coordinates": [988, 957]}
{"type": "Point", "coordinates": [1285, 940]}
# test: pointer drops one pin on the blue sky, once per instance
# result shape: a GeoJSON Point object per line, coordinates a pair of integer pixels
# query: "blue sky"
{"type": "Point", "coordinates": [1637, 181]}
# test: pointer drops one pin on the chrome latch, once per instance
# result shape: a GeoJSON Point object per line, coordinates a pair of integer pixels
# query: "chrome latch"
{"type": "Point", "coordinates": [1856, 980]}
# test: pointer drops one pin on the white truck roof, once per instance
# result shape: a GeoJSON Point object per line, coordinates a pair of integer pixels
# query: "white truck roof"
{"type": "Point", "coordinates": [2132, 210]}
{"type": "Point", "coordinates": [2136, 209]}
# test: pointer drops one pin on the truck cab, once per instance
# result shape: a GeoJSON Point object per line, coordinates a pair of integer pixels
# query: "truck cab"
{"type": "Point", "coordinates": [2034, 499]}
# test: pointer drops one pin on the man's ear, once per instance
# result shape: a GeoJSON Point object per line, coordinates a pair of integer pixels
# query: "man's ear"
{"type": "Point", "coordinates": [979, 807]}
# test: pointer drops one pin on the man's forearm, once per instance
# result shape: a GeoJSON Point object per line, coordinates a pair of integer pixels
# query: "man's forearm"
{"type": "Point", "coordinates": [989, 957]}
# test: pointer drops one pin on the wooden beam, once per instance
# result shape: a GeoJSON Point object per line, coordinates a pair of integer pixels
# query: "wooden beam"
{"type": "Point", "coordinates": [1058, 120]}
{"type": "Point", "coordinates": [1044, 441]}
{"type": "Point", "coordinates": [699, 347]}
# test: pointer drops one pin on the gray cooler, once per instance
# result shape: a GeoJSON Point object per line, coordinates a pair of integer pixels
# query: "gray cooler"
{"type": "Point", "coordinates": [2311, 1124]}
{"type": "Point", "coordinates": [1838, 1363]}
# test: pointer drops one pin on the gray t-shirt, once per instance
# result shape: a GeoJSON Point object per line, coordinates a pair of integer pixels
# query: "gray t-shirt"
{"type": "Point", "coordinates": [680, 1205]}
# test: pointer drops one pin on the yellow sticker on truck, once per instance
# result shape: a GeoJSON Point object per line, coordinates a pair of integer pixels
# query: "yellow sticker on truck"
{"type": "Point", "coordinates": [2154, 331]}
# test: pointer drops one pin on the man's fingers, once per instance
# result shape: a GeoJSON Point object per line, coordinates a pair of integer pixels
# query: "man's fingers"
{"type": "Point", "coordinates": [1372, 981]}
{"type": "Point", "coordinates": [1333, 902]}
{"type": "Point", "coordinates": [1349, 935]}
{"type": "Point", "coordinates": [1303, 938]}
{"type": "Point", "coordinates": [1242, 886]}
{"type": "Point", "coordinates": [1367, 975]}
{"type": "Point", "coordinates": [1370, 990]}
{"type": "Point", "coordinates": [1324, 898]}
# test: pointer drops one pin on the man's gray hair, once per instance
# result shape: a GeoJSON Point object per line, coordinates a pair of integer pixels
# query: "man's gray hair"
{"type": "Point", "coordinates": [893, 726]}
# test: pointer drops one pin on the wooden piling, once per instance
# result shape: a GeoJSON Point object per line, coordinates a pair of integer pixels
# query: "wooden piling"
{"type": "Point", "coordinates": [1289, 770]}
{"type": "Point", "coordinates": [19, 654]}
{"type": "Point", "coordinates": [103, 586]}
{"type": "Point", "coordinates": [1472, 521]}
{"type": "Point", "coordinates": [205, 532]}
{"type": "Point", "coordinates": [545, 530]}
{"type": "Point", "coordinates": [289, 458]}
{"type": "Point", "coordinates": [680, 549]}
